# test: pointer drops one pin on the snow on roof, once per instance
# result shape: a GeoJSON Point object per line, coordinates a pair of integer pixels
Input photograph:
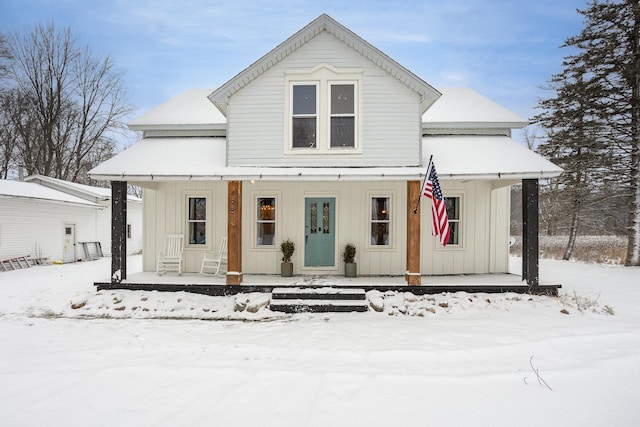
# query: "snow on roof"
{"type": "Point", "coordinates": [461, 107]}
{"type": "Point", "coordinates": [461, 157]}
{"type": "Point", "coordinates": [190, 109]}
{"type": "Point", "coordinates": [75, 188]}
{"type": "Point", "coordinates": [32, 190]}
{"type": "Point", "coordinates": [472, 156]}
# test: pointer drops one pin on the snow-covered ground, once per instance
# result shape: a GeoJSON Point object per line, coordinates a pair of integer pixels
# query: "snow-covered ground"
{"type": "Point", "coordinates": [147, 358]}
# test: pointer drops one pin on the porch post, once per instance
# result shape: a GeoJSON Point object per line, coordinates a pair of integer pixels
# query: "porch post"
{"type": "Point", "coordinates": [118, 231]}
{"type": "Point", "coordinates": [530, 232]}
{"type": "Point", "coordinates": [234, 232]}
{"type": "Point", "coordinates": [412, 276]}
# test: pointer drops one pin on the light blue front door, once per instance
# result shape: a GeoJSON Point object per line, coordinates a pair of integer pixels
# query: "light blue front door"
{"type": "Point", "coordinates": [319, 232]}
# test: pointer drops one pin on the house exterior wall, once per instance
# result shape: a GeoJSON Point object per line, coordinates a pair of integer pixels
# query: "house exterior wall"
{"type": "Point", "coordinates": [484, 225]}
{"type": "Point", "coordinates": [390, 126]}
{"type": "Point", "coordinates": [27, 224]}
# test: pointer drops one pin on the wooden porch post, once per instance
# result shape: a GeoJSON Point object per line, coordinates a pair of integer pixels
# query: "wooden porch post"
{"type": "Point", "coordinates": [530, 232]}
{"type": "Point", "coordinates": [412, 276]}
{"type": "Point", "coordinates": [234, 233]}
{"type": "Point", "coordinates": [118, 231]}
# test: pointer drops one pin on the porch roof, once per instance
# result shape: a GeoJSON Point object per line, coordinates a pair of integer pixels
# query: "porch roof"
{"type": "Point", "coordinates": [204, 159]}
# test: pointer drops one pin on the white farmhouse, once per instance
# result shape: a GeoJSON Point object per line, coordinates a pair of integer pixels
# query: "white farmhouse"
{"type": "Point", "coordinates": [325, 141]}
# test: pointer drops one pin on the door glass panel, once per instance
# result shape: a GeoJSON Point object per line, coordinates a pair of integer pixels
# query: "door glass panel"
{"type": "Point", "coordinates": [313, 218]}
{"type": "Point", "coordinates": [325, 218]}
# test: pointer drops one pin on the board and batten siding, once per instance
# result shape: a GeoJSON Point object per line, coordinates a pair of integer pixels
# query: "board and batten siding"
{"type": "Point", "coordinates": [165, 212]}
{"type": "Point", "coordinates": [484, 221]}
{"type": "Point", "coordinates": [390, 111]}
{"type": "Point", "coordinates": [29, 226]}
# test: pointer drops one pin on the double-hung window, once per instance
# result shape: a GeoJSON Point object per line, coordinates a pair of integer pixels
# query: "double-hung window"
{"type": "Point", "coordinates": [453, 214]}
{"type": "Point", "coordinates": [304, 120]}
{"type": "Point", "coordinates": [197, 220]}
{"type": "Point", "coordinates": [323, 111]}
{"type": "Point", "coordinates": [266, 221]}
{"type": "Point", "coordinates": [343, 115]}
{"type": "Point", "coordinates": [380, 221]}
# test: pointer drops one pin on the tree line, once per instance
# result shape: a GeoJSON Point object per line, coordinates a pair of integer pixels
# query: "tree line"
{"type": "Point", "coordinates": [591, 128]}
{"type": "Point", "coordinates": [61, 106]}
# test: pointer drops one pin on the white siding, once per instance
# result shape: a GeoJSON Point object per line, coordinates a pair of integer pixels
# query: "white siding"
{"type": "Point", "coordinates": [27, 225]}
{"type": "Point", "coordinates": [391, 117]}
{"type": "Point", "coordinates": [103, 227]}
{"type": "Point", "coordinates": [485, 213]}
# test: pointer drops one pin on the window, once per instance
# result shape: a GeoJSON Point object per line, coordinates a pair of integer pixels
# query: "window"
{"type": "Point", "coordinates": [323, 111]}
{"type": "Point", "coordinates": [128, 231]}
{"type": "Point", "coordinates": [343, 117]}
{"type": "Point", "coordinates": [453, 213]}
{"type": "Point", "coordinates": [266, 221]}
{"type": "Point", "coordinates": [304, 123]}
{"type": "Point", "coordinates": [197, 220]}
{"type": "Point", "coordinates": [380, 223]}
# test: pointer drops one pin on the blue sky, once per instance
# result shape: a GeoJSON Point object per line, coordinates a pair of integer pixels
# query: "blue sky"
{"type": "Point", "coordinates": [505, 49]}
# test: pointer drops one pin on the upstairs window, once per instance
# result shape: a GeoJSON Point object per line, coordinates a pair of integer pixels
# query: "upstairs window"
{"type": "Point", "coordinates": [343, 116]}
{"type": "Point", "coordinates": [304, 120]}
{"type": "Point", "coordinates": [323, 111]}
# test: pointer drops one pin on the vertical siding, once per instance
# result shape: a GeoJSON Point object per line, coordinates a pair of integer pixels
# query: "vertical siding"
{"type": "Point", "coordinates": [27, 224]}
{"type": "Point", "coordinates": [390, 113]}
{"type": "Point", "coordinates": [485, 213]}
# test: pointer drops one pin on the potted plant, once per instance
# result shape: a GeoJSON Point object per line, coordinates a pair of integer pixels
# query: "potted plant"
{"type": "Point", "coordinates": [286, 268]}
{"type": "Point", "coordinates": [349, 258]}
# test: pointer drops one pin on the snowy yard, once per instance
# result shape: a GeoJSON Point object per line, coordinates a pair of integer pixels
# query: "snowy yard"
{"type": "Point", "coordinates": [454, 359]}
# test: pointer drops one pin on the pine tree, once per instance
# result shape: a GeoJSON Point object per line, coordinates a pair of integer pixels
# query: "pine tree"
{"type": "Point", "coordinates": [593, 120]}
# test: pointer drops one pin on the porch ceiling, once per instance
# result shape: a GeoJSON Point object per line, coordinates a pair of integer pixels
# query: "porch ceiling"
{"type": "Point", "coordinates": [204, 159]}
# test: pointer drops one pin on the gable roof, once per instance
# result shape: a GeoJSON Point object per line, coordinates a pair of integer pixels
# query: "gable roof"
{"type": "Point", "coordinates": [31, 190]}
{"type": "Point", "coordinates": [220, 96]}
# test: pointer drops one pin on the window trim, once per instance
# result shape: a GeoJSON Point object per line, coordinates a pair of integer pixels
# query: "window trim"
{"type": "Point", "coordinates": [460, 221]}
{"type": "Point", "coordinates": [255, 196]}
{"type": "Point", "coordinates": [391, 195]}
{"type": "Point", "coordinates": [324, 75]}
{"type": "Point", "coordinates": [208, 239]}
{"type": "Point", "coordinates": [260, 221]}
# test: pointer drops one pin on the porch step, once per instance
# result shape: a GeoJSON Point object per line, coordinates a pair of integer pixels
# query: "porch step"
{"type": "Point", "coordinates": [318, 300]}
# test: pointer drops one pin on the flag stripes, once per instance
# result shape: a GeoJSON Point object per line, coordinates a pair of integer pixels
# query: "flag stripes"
{"type": "Point", "coordinates": [431, 189]}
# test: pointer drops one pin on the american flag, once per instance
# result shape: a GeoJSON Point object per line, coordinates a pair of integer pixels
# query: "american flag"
{"type": "Point", "coordinates": [431, 189]}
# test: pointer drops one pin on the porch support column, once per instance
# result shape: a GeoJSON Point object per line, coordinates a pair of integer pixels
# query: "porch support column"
{"type": "Point", "coordinates": [234, 232]}
{"type": "Point", "coordinates": [412, 276]}
{"type": "Point", "coordinates": [530, 232]}
{"type": "Point", "coordinates": [118, 231]}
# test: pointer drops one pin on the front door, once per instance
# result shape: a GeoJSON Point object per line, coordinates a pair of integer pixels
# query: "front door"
{"type": "Point", "coordinates": [319, 232]}
{"type": "Point", "coordinates": [69, 243]}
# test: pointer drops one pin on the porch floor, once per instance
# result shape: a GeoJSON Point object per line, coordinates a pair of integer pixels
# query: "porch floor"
{"type": "Point", "coordinates": [216, 285]}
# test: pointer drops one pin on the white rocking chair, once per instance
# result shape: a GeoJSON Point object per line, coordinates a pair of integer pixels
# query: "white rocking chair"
{"type": "Point", "coordinates": [212, 263]}
{"type": "Point", "coordinates": [171, 259]}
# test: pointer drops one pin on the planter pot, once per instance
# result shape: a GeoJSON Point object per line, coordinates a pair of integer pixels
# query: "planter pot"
{"type": "Point", "coordinates": [286, 269]}
{"type": "Point", "coordinates": [350, 269]}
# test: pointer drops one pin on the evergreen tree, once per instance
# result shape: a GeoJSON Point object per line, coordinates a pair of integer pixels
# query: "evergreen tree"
{"type": "Point", "coordinates": [593, 121]}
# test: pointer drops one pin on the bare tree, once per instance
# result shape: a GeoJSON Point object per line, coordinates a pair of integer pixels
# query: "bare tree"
{"type": "Point", "coordinates": [66, 104]}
